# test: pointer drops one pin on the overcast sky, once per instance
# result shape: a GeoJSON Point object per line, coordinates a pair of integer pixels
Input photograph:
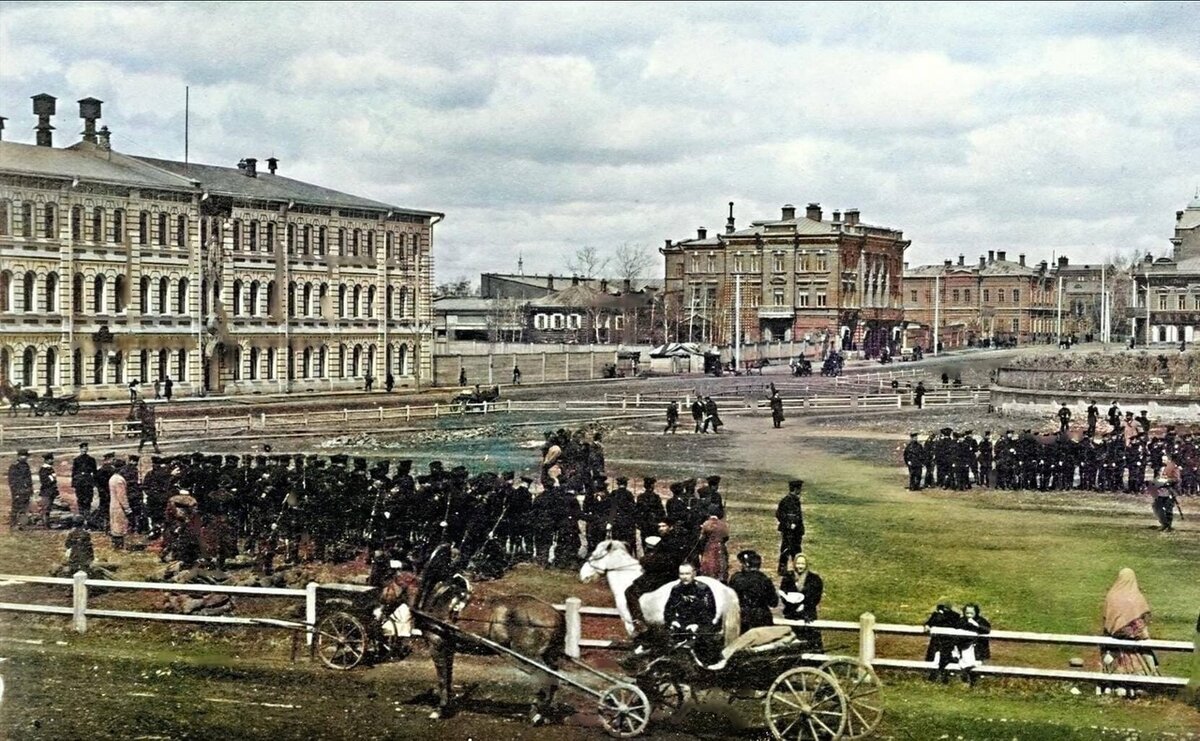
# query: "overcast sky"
{"type": "Point", "coordinates": [1042, 128]}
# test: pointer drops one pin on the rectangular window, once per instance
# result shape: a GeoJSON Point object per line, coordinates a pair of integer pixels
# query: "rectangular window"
{"type": "Point", "coordinates": [913, 296]}
{"type": "Point", "coordinates": [802, 299]}
{"type": "Point", "coordinates": [695, 263]}
{"type": "Point", "coordinates": [778, 263]}
{"type": "Point", "coordinates": [821, 299]}
{"type": "Point", "coordinates": [967, 295]}
{"type": "Point", "coordinates": [1000, 296]}
{"type": "Point", "coordinates": [1195, 304]}
{"type": "Point", "coordinates": [779, 297]}
{"type": "Point", "coordinates": [1016, 296]}
{"type": "Point", "coordinates": [805, 264]}
{"type": "Point", "coordinates": [822, 263]}
{"type": "Point", "coordinates": [737, 264]}
{"type": "Point", "coordinates": [1162, 302]}
{"type": "Point", "coordinates": [1182, 302]}
{"type": "Point", "coordinates": [1016, 325]}
{"type": "Point", "coordinates": [712, 263]}
{"type": "Point", "coordinates": [954, 296]}
{"type": "Point", "coordinates": [987, 295]}
{"type": "Point", "coordinates": [755, 265]}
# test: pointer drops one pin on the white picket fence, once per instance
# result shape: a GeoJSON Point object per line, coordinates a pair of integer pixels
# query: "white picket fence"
{"type": "Point", "coordinates": [867, 630]}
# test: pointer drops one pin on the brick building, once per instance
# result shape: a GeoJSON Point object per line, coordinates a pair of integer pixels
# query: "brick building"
{"type": "Point", "coordinates": [115, 268]}
{"type": "Point", "coordinates": [1166, 291]}
{"type": "Point", "coordinates": [833, 282]}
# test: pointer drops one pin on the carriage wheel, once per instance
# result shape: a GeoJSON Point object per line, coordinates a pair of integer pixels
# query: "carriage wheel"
{"type": "Point", "coordinates": [667, 697]}
{"type": "Point", "coordinates": [624, 710]}
{"type": "Point", "coordinates": [60, 411]}
{"type": "Point", "coordinates": [39, 410]}
{"type": "Point", "coordinates": [864, 695]}
{"type": "Point", "coordinates": [73, 407]}
{"type": "Point", "coordinates": [341, 640]}
{"type": "Point", "coordinates": [805, 704]}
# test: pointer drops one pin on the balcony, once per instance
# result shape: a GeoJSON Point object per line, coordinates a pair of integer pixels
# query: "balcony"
{"type": "Point", "coordinates": [776, 312]}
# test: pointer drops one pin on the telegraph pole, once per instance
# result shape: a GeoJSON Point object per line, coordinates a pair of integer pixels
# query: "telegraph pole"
{"type": "Point", "coordinates": [737, 321]}
{"type": "Point", "coordinates": [937, 312]}
{"type": "Point", "coordinates": [1059, 323]}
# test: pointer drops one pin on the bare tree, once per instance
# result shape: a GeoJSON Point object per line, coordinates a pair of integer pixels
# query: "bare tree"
{"type": "Point", "coordinates": [587, 262]}
{"type": "Point", "coordinates": [460, 287]}
{"type": "Point", "coordinates": [632, 260]}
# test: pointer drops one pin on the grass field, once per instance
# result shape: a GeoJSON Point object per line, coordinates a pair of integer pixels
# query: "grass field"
{"type": "Point", "coordinates": [1033, 561]}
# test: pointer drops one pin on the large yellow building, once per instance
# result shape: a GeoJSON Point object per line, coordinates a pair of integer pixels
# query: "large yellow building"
{"type": "Point", "coordinates": [228, 280]}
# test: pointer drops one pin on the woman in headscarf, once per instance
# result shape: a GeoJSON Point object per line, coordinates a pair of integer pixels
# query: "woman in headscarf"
{"type": "Point", "coordinates": [1127, 616]}
{"type": "Point", "coordinates": [714, 555]}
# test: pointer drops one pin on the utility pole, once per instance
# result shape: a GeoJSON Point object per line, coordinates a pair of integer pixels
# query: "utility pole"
{"type": "Point", "coordinates": [737, 321]}
{"type": "Point", "coordinates": [1058, 331]}
{"type": "Point", "coordinates": [937, 312]}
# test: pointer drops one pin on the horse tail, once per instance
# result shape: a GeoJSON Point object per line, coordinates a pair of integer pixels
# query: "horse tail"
{"type": "Point", "coordinates": [733, 617]}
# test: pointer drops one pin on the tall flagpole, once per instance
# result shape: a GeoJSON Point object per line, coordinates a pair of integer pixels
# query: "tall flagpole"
{"type": "Point", "coordinates": [737, 322]}
{"type": "Point", "coordinates": [937, 312]}
{"type": "Point", "coordinates": [1059, 324]}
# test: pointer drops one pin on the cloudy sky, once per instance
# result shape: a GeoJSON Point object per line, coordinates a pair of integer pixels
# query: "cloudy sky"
{"type": "Point", "coordinates": [1070, 128]}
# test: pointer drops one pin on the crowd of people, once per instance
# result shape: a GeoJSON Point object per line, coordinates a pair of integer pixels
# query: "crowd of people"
{"type": "Point", "coordinates": [1128, 455]}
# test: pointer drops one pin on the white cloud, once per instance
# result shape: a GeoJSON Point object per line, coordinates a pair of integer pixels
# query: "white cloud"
{"type": "Point", "coordinates": [537, 127]}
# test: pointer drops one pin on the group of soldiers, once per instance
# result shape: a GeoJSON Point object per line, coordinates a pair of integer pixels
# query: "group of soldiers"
{"type": "Point", "coordinates": [1125, 456]}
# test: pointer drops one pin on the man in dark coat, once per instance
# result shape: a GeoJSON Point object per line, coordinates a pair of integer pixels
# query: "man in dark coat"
{"type": "Point", "coordinates": [692, 608]}
{"type": "Point", "coordinates": [1093, 416]}
{"type": "Point", "coordinates": [159, 490]}
{"type": "Point", "coordinates": [777, 410]}
{"type": "Point", "coordinates": [83, 479]}
{"type": "Point", "coordinates": [790, 516]}
{"type": "Point", "coordinates": [712, 416]}
{"type": "Point", "coordinates": [1064, 418]}
{"type": "Point", "coordinates": [20, 485]}
{"type": "Point", "coordinates": [622, 514]}
{"type": "Point", "coordinates": [133, 491]}
{"type": "Point", "coordinates": [914, 457]}
{"type": "Point", "coordinates": [672, 417]}
{"type": "Point", "coordinates": [103, 474]}
{"type": "Point", "coordinates": [985, 454]}
{"type": "Point", "coordinates": [698, 414]}
{"type": "Point", "coordinates": [1114, 416]}
{"type": "Point", "coordinates": [919, 395]}
{"type": "Point", "coordinates": [664, 553]}
{"type": "Point", "coordinates": [756, 594]}
{"type": "Point", "coordinates": [650, 510]}
{"type": "Point", "coordinates": [710, 493]}
{"type": "Point", "coordinates": [941, 646]}
{"type": "Point", "coordinates": [47, 487]}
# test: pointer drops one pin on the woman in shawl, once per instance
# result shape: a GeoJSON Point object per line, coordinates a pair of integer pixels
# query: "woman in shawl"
{"type": "Point", "coordinates": [973, 651]}
{"type": "Point", "coordinates": [714, 555]}
{"type": "Point", "coordinates": [1127, 616]}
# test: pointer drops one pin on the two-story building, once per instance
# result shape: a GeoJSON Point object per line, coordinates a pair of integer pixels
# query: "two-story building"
{"type": "Point", "coordinates": [116, 268]}
{"type": "Point", "coordinates": [1165, 300]}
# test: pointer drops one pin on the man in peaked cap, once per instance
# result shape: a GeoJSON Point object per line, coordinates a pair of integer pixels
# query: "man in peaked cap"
{"type": "Point", "coordinates": [756, 594]}
{"type": "Point", "coordinates": [20, 485]}
{"type": "Point", "coordinates": [47, 487]}
{"type": "Point", "coordinates": [790, 516]}
{"type": "Point", "coordinates": [914, 458]}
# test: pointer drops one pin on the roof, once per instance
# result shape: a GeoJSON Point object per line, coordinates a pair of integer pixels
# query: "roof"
{"type": "Point", "coordinates": [1006, 267]}
{"type": "Point", "coordinates": [468, 303]}
{"type": "Point", "coordinates": [676, 350]}
{"type": "Point", "coordinates": [995, 267]}
{"type": "Point", "coordinates": [88, 162]}
{"type": "Point", "coordinates": [231, 181]}
{"type": "Point", "coordinates": [579, 294]}
{"type": "Point", "coordinates": [541, 281]}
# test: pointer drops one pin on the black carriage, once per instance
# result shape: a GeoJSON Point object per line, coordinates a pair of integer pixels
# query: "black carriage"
{"type": "Point", "coordinates": [56, 405]}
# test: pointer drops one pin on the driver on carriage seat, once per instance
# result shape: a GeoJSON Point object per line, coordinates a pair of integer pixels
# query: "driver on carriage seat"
{"type": "Point", "coordinates": [691, 610]}
{"type": "Point", "coordinates": [664, 552]}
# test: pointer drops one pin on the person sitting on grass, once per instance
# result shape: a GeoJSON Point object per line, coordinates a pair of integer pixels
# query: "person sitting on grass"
{"type": "Point", "coordinates": [80, 555]}
{"type": "Point", "coordinates": [1127, 617]}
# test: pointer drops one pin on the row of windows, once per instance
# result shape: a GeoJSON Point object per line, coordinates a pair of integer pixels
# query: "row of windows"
{"type": "Point", "coordinates": [252, 364]}
{"type": "Point", "coordinates": [964, 295]}
{"type": "Point", "coordinates": [159, 228]}
{"type": "Point", "coordinates": [575, 321]}
{"type": "Point", "coordinates": [100, 367]}
{"type": "Point", "coordinates": [805, 262]}
{"type": "Point", "coordinates": [1180, 302]}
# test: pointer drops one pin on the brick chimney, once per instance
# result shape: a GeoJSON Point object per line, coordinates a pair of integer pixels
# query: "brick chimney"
{"type": "Point", "coordinates": [1000, 255]}
{"type": "Point", "coordinates": [574, 280]}
{"type": "Point", "coordinates": [102, 139]}
{"type": "Point", "coordinates": [603, 285]}
{"type": "Point", "coordinates": [991, 256]}
{"type": "Point", "coordinates": [962, 260]}
{"type": "Point", "coordinates": [1062, 262]}
{"type": "Point", "coordinates": [851, 216]}
{"type": "Point", "coordinates": [813, 211]}
{"type": "Point", "coordinates": [701, 233]}
{"type": "Point", "coordinates": [43, 108]}
{"type": "Point", "coordinates": [666, 244]}
{"type": "Point", "coordinates": [788, 212]}
{"type": "Point", "coordinates": [550, 282]}
{"type": "Point", "coordinates": [89, 111]}
{"type": "Point", "coordinates": [1021, 259]}
{"type": "Point", "coordinates": [982, 262]}
{"type": "Point", "coordinates": [729, 223]}
{"type": "Point", "coordinates": [946, 263]}
{"type": "Point", "coordinates": [837, 216]}
{"type": "Point", "coordinates": [272, 164]}
{"type": "Point", "coordinates": [251, 167]}
{"type": "Point", "coordinates": [627, 285]}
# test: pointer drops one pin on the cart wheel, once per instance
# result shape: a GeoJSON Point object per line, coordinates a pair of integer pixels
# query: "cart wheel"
{"type": "Point", "coordinates": [60, 411]}
{"type": "Point", "coordinates": [624, 710]}
{"type": "Point", "coordinates": [73, 408]}
{"type": "Point", "coordinates": [666, 697]}
{"type": "Point", "coordinates": [864, 695]}
{"type": "Point", "coordinates": [39, 410]}
{"type": "Point", "coordinates": [341, 640]}
{"type": "Point", "coordinates": [805, 704]}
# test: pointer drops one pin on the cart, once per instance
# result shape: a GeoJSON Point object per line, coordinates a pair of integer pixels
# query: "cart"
{"type": "Point", "coordinates": [806, 696]}
{"type": "Point", "coordinates": [347, 633]}
{"type": "Point", "coordinates": [56, 405]}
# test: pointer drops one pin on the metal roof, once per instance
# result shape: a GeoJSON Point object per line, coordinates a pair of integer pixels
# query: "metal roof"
{"type": "Point", "coordinates": [89, 163]}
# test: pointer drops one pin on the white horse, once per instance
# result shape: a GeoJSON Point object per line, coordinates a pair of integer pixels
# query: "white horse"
{"type": "Point", "coordinates": [612, 560]}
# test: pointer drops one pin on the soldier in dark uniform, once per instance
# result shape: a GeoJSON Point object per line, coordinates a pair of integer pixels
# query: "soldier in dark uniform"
{"type": "Point", "coordinates": [1114, 416]}
{"type": "Point", "coordinates": [103, 474]}
{"type": "Point", "coordinates": [790, 516]}
{"type": "Point", "coordinates": [159, 490]}
{"type": "Point", "coordinates": [677, 506]}
{"type": "Point", "coordinates": [930, 448]}
{"type": "Point", "coordinates": [664, 553]}
{"type": "Point", "coordinates": [672, 417]}
{"type": "Point", "coordinates": [919, 395]}
{"type": "Point", "coordinates": [20, 486]}
{"type": "Point", "coordinates": [1143, 419]}
{"type": "Point", "coordinates": [1135, 461]}
{"type": "Point", "coordinates": [698, 414]}
{"type": "Point", "coordinates": [1006, 461]}
{"type": "Point", "coordinates": [710, 494]}
{"type": "Point", "coordinates": [650, 510]}
{"type": "Point", "coordinates": [596, 514]}
{"type": "Point", "coordinates": [1093, 417]}
{"type": "Point", "coordinates": [943, 452]}
{"type": "Point", "coordinates": [83, 479]}
{"type": "Point", "coordinates": [970, 455]}
{"type": "Point", "coordinates": [623, 515]}
{"type": "Point", "coordinates": [986, 456]}
{"type": "Point", "coordinates": [776, 410]}
{"type": "Point", "coordinates": [914, 457]}
{"type": "Point", "coordinates": [1064, 418]}
{"type": "Point", "coordinates": [47, 487]}
{"type": "Point", "coordinates": [756, 594]}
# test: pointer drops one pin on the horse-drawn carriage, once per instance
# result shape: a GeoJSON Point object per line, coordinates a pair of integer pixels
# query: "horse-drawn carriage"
{"type": "Point", "coordinates": [39, 405]}
{"type": "Point", "coordinates": [478, 397]}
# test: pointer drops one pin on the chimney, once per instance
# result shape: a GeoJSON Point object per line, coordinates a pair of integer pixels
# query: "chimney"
{"type": "Point", "coordinates": [1178, 214]}
{"type": "Point", "coordinates": [701, 233]}
{"type": "Point", "coordinates": [89, 111]}
{"type": "Point", "coordinates": [1021, 259]}
{"type": "Point", "coordinates": [962, 260]}
{"type": "Point", "coordinates": [272, 164]}
{"type": "Point", "coordinates": [603, 285]}
{"type": "Point", "coordinates": [982, 262]}
{"type": "Point", "coordinates": [102, 139]}
{"type": "Point", "coordinates": [251, 168]}
{"type": "Point", "coordinates": [946, 263]}
{"type": "Point", "coordinates": [1062, 262]}
{"type": "Point", "coordinates": [788, 212]}
{"type": "Point", "coordinates": [1000, 255]}
{"type": "Point", "coordinates": [43, 108]}
{"type": "Point", "coordinates": [851, 216]}
{"type": "Point", "coordinates": [550, 282]}
{"type": "Point", "coordinates": [813, 211]}
{"type": "Point", "coordinates": [666, 244]}
{"type": "Point", "coordinates": [837, 216]}
{"type": "Point", "coordinates": [729, 228]}
{"type": "Point", "coordinates": [991, 256]}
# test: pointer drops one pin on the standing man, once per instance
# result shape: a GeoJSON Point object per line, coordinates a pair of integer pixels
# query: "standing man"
{"type": "Point", "coordinates": [790, 516]}
{"type": "Point", "coordinates": [83, 480]}
{"type": "Point", "coordinates": [462, 376]}
{"type": "Point", "coordinates": [368, 381]}
{"type": "Point", "coordinates": [1064, 418]}
{"type": "Point", "coordinates": [168, 385]}
{"type": "Point", "coordinates": [986, 454]}
{"type": "Point", "coordinates": [103, 474]}
{"type": "Point", "coordinates": [672, 417]}
{"type": "Point", "coordinates": [1093, 416]}
{"type": "Point", "coordinates": [133, 391]}
{"type": "Point", "coordinates": [516, 375]}
{"type": "Point", "coordinates": [777, 410]}
{"type": "Point", "coordinates": [47, 487]}
{"type": "Point", "coordinates": [622, 515]}
{"type": "Point", "coordinates": [389, 382]}
{"type": "Point", "coordinates": [650, 510]}
{"type": "Point", "coordinates": [118, 510]}
{"type": "Point", "coordinates": [20, 485]}
{"type": "Point", "coordinates": [149, 426]}
{"type": "Point", "coordinates": [698, 414]}
{"type": "Point", "coordinates": [756, 594]}
{"type": "Point", "coordinates": [919, 395]}
{"type": "Point", "coordinates": [711, 415]}
{"type": "Point", "coordinates": [1114, 416]}
{"type": "Point", "coordinates": [914, 457]}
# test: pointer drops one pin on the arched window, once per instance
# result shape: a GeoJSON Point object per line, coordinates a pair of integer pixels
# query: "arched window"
{"type": "Point", "coordinates": [26, 219]}
{"type": "Point", "coordinates": [341, 236]}
{"type": "Point", "coordinates": [237, 363]}
{"type": "Point", "coordinates": [356, 301]}
{"type": "Point", "coordinates": [389, 242]}
{"type": "Point", "coordinates": [98, 234]}
{"type": "Point", "coordinates": [27, 292]}
{"type": "Point", "coordinates": [6, 290]}
{"type": "Point", "coordinates": [291, 238]}
{"type": "Point", "coordinates": [181, 365]}
{"type": "Point", "coordinates": [370, 366]}
{"type": "Point", "coordinates": [203, 297]}
{"type": "Point", "coordinates": [163, 287]}
{"type": "Point", "coordinates": [370, 243]}
{"type": "Point", "coordinates": [97, 296]}
{"type": "Point", "coordinates": [144, 295]}
{"type": "Point", "coordinates": [355, 237]}
{"type": "Point", "coordinates": [216, 232]}
{"type": "Point", "coordinates": [271, 363]}
{"type": "Point", "coordinates": [77, 223]}
{"type": "Point", "coordinates": [5, 213]}
{"type": "Point", "coordinates": [305, 239]}
{"type": "Point", "coordinates": [28, 378]}
{"type": "Point", "coordinates": [237, 298]}
{"type": "Point", "coordinates": [356, 362]}
{"type": "Point", "coordinates": [272, 304]}
{"type": "Point", "coordinates": [387, 304]}
{"type": "Point", "coordinates": [119, 367]}
{"type": "Point", "coordinates": [98, 367]}
{"type": "Point", "coordinates": [51, 293]}
{"type": "Point", "coordinates": [51, 367]}
{"type": "Point", "coordinates": [402, 360]}
{"type": "Point", "coordinates": [164, 358]}
{"type": "Point", "coordinates": [253, 303]}
{"type": "Point", "coordinates": [371, 301]}
{"type": "Point", "coordinates": [306, 301]}
{"type": "Point", "coordinates": [342, 301]}
{"type": "Point", "coordinates": [237, 234]}
{"type": "Point", "coordinates": [49, 221]}
{"type": "Point", "coordinates": [322, 294]}
{"type": "Point", "coordinates": [291, 363]}
{"type": "Point", "coordinates": [253, 236]}
{"type": "Point", "coordinates": [77, 293]}
{"type": "Point", "coordinates": [162, 228]}
{"type": "Point", "coordinates": [306, 362]}
{"type": "Point", "coordinates": [119, 294]}
{"type": "Point", "coordinates": [322, 360]}
{"type": "Point", "coordinates": [216, 293]}
{"type": "Point", "coordinates": [321, 236]}
{"type": "Point", "coordinates": [144, 365]}
{"type": "Point", "coordinates": [181, 231]}
{"type": "Point", "coordinates": [144, 227]}
{"type": "Point", "coordinates": [342, 360]}
{"type": "Point", "coordinates": [292, 299]}
{"type": "Point", "coordinates": [181, 298]}
{"type": "Point", "coordinates": [118, 223]}
{"type": "Point", "coordinates": [76, 367]}
{"type": "Point", "coordinates": [403, 301]}
{"type": "Point", "coordinates": [270, 245]}
{"type": "Point", "coordinates": [254, 364]}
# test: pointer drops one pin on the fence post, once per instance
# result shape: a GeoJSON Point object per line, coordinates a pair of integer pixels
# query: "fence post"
{"type": "Point", "coordinates": [345, 415]}
{"type": "Point", "coordinates": [79, 601]}
{"type": "Point", "coordinates": [510, 406]}
{"type": "Point", "coordinates": [58, 431]}
{"type": "Point", "coordinates": [380, 414]}
{"type": "Point", "coordinates": [574, 620]}
{"type": "Point", "coordinates": [112, 432]}
{"type": "Point", "coordinates": [435, 410]}
{"type": "Point", "coordinates": [262, 421]}
{"type": "Point", "coordinates": [310, 610]}
{"type": "Point", "coordinates": [407, 412]}
{"type": "Point", "coordinates": [866, 638]}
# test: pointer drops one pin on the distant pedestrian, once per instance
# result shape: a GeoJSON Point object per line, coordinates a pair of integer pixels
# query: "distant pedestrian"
{"type": "Point", "coordinates": [919, 395]}
{"type": "Point", "coordinates": [368, 381]}
{"type": "Point", "coordinates": [20, 485]}
{"type": "Point", "coordinates": [516, 376]}
{"type": "Point", "coordinates": [158, 388]}
{"type": "Point", "coordinates": [777, 410]}
{"type": "Point", "coordinates": [698, 414]}
{"type": "Point", "coordinates": [168, 386]}
{"type": "Point", "coordinates": [389, 382]}
{"type": "Point", "coordinates": [462, 376]}
{"type": "Point", "coordinates": [133, 391]}
{"type": "Point", "coordinates": [672, 417]}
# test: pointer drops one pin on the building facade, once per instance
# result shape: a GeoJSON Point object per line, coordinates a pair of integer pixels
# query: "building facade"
{"type": "Point", "coordinates": [226, 280]}
{"type": "Point", "coordinates": [994, 300]}
{"type": "Point", "coordinates": [1164, 304]}
{"type": "Point", "coordinates": [835, 283]}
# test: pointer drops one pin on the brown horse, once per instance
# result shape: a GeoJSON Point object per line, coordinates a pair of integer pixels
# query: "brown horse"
{"type": "Point", "coordinates": [523, 624]}
{"type": "Point", "coordinates": [18, 396]}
